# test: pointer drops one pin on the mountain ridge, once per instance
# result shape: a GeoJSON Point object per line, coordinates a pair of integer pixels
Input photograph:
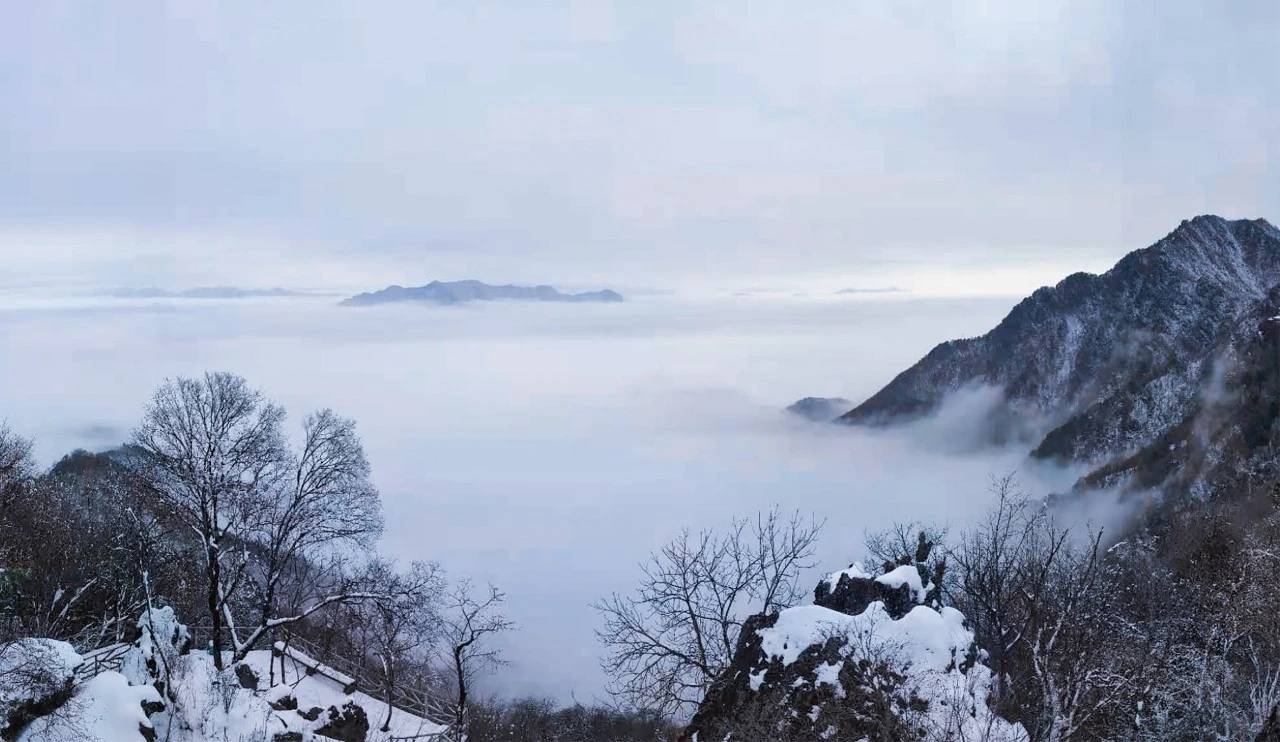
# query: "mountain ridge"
{"type": "Point", "coordinates": [457, 292]}
{"type": "Point", "coordinates": [1108, 363]}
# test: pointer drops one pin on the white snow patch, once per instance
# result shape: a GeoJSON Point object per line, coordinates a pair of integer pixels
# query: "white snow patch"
{"type": "Point", "coordinates": [828, 673]}
{"type": "Point", "coordinates": [907, 575]}
{"type": "Point", "coordinates": [104, 709]}
{"type": "Point", "coordinates": [854, 571]}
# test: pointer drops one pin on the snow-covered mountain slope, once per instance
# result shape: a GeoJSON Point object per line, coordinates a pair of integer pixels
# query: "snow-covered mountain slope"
{"type": "Point", "coordinates": [1228, 437]}
{"type": "Point", "coordinates": [1107, 364]}
{"type": "Point", "coordinates": [872, 658]}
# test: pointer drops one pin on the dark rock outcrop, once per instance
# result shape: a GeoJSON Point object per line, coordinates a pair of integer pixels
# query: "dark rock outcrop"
{"type": "Point", "coordinates": [851, 595]}
{"type": "Point", "coordinates": [246, 676]}
{"type": "Point", "coordinates": [287, 703]}
{"type": "Point", "coordinates": [348, 724]}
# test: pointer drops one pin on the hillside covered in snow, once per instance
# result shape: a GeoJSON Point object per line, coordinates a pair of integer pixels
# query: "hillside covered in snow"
{"type": "Point", "coordinates": [1100, 369]}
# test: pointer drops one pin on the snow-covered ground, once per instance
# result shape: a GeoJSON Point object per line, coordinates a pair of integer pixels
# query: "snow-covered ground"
{"type": "Point", "coordinates": [204, 705]}
{"type": "Point", "coordinates": [107, 708]}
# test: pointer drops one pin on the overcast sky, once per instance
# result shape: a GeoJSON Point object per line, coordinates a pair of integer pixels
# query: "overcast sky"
{"type": "Point", "coordinates": [985, 147]}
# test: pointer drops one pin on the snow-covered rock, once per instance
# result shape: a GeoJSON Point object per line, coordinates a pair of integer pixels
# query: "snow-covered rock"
{"type": "Point", "coordinates": [161, 640]}
{"type": "Point", "coordinates": [105, 709]}
{"type": "Point", "coordinates": [36, 677]}
{"type": "Point", "coordinates": [873, 658]}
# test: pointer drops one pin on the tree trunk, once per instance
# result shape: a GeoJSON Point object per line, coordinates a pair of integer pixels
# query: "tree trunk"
{"type": "Point", "coordinates": [388, 685]}
{"type": "Point", "coordinates": [461, 713]}
{"type": "Point", "coordinates": [215, 616]}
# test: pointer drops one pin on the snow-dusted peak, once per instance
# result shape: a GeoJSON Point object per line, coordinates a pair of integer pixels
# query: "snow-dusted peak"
{"type": "Point", "coordinates": [1098, 367]}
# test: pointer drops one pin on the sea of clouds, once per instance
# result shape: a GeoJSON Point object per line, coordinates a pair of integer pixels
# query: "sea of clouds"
{"type": "Point", "coordinates": [548, 448]}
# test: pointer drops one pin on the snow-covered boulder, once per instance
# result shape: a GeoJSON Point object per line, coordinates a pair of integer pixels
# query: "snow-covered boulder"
{"type": "Point", "coordinates": [36, 677]}
{"type": "Point", "coordinates": [161, 640]}
{"type": "Point", "coordinates": [876, 657]}
{"type": "Point", "coordinates": [104, 709]}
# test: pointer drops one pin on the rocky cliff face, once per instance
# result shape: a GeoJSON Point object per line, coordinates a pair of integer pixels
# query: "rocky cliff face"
{"type": "Point", "coordinates": [1227, 438]}
{"type": "Point", "coordinates": [875, 658]}
{"type": "Point", "coordinates": [1111, 364]}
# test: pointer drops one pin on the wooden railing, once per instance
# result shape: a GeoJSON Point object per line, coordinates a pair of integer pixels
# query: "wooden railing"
{"type": "Point", "coordinates": [350, 675]}
{"type": "Point", "coordinates": [110, 657]}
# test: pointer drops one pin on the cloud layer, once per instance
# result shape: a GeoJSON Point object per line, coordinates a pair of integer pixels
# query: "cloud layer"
{"type": "Point", "coordinates": [548, 448]}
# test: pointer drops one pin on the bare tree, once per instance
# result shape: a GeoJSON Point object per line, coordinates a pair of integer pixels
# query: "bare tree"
{"type": "Point", "coordinates": [1044, 602]}
{"type": "Point", "coordinates": [327, 501]}
{"type": "Point", "coordinates": [469, 623]}
{"type": "Point", "coordinates": [212, 448]}
{"type": "Point", "coordinates": [989, 558]}
{"type": "Point", "coordinates": [666, 642]}
{"type": "Point", "coordinates": [15, 463]}
{"type": "Point", "coordinates": [395, 630]}
{"type": "Point", "coordinates": [213, 451]}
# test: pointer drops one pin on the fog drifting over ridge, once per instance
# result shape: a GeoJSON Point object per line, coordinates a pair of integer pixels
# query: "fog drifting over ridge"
{"type": "Point", "coordinates": [548, 448]}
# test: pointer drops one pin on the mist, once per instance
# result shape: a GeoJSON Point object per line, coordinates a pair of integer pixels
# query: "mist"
{"type": "Point", "coordinates": [549, 448]}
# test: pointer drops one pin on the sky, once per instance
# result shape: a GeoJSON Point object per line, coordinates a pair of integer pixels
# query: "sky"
{"type": "Point", "coordinates": [947, 149]}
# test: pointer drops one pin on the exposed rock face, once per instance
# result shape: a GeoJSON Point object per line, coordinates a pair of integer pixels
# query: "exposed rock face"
{"type": "Point", "coordinates": [1112, 364]}
{"type": "Point", "coordinates": [874, 659]}
{"type": "Point", "coordinates": [288, 703]}
{"type": "Point", "coordinates": [851, 590]}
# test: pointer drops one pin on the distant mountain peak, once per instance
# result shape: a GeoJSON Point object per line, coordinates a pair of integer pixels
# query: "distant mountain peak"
{"type": "Point", "coordinates": [457, 292]}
